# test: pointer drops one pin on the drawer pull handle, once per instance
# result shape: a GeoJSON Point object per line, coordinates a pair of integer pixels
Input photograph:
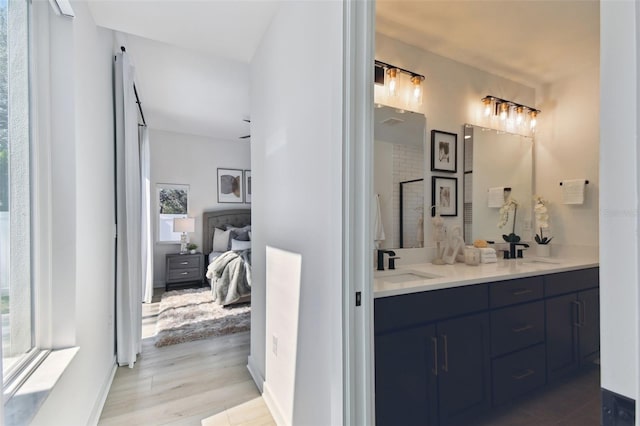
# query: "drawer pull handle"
{"type": "Point", "coordinates": [578, 314]}
{"type": "Point", "coordinates": [445, 366]}
{"type": "Point", "coordinates": [522, 291]}
{"type": "Point", "coordinates": [435, 355]}
{"type": "Point", "coordinates": [526, 373]}
{"type": "Point", "coordinates": [523, 328]}
{"type": "Point", "coordinates": [184, 273]}
{"type": "Point", "coordinates": [184, 263]}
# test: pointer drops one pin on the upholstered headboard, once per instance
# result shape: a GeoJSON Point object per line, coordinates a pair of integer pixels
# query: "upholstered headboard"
{"type": "Point", "coordinates": [219, 218]}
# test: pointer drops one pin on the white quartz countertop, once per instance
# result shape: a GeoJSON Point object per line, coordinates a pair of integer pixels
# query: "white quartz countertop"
{"type": "Point", "coordinates": [415, 278]}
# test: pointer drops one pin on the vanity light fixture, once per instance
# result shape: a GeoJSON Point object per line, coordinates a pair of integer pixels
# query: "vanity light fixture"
{"type": "Point", "coordinates": [511, 116]}
{"type": "Point", "coordinates": [401, 89]}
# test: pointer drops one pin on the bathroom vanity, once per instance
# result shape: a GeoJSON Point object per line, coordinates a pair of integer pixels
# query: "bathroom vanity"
{"type": "Point", "coordinates": [453, 341]}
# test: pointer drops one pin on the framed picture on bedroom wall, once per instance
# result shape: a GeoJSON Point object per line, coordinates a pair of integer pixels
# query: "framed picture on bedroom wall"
{"type": "Point", "coordinates": [230, 186]}
{"type": "Point", "coordinates": [247, 186]}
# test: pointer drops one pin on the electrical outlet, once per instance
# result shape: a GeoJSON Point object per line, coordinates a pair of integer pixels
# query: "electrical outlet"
{"type": "Point", "coordinates": [274, 345]}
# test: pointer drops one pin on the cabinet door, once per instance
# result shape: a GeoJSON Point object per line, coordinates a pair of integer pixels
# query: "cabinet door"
{"type": "Point", "coordinates": [589, 331]}
{"type": "Point", "coordinates": [464, 386]}
{"type": "Point", "coordinates": [405, 388]}
{"type": "Point", "coordinates": [562, 335]}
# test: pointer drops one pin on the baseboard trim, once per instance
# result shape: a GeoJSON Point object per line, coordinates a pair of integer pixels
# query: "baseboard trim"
{"type": "Point", "coordinates": [272, 405]}
{"type": "Point", "coordinates": [102, 396]}
{"type": "Point", "coordinates": [255, 374]}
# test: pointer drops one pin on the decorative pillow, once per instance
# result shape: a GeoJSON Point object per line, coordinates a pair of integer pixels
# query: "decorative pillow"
{"type": "Point", "coordinates": [221, 240]}
{"type": "Point", "coordinates": [237, 228]}
{"type": "Point", "coordinates": [237, 245]}
{"type": "Point", "coordinates": [240, 235]}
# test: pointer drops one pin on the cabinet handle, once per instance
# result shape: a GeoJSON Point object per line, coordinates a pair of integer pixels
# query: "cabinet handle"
{"type": "Point", "coordinates": [584, 313]}
{"type": "Point", "coordinates": [578, 314]}
{"type": "Point", "coordinates": [184, 263]}
{"type": "Point", "coordinates": [445, 366]}
{"type": "Point", "coordinates": [435, 355]}
{"type": "Point", "coordinates": [523, 328]}
{"type": "Point", "coordinates": [526, 373]}
{"type": "Point", "coordinates": [184, 273]}
{"type": "Point", "coordinates": [522, 291]}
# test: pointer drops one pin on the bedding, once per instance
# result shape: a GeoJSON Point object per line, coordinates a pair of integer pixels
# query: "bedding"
{"type": "Point", "coordinates": [227, 242]}
{"type": "Point", "coordinates": [230, 275]}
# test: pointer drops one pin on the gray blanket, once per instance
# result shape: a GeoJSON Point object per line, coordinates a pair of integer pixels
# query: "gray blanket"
{"type": "Point", "coordinates": [230, 275]}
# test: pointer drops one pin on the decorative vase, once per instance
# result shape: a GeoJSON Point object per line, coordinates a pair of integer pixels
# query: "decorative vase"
{"type": "Point", "coordinates": [192, 251]}
{"type": "Point", "coordinates": [543, 250]}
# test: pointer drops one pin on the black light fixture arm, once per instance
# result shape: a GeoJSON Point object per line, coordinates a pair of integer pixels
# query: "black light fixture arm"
{"type": "Point", "coordinates": [389, 66]}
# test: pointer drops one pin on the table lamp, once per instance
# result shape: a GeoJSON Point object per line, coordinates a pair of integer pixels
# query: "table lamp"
{"type": "Point", "coordinates": [184, 225]}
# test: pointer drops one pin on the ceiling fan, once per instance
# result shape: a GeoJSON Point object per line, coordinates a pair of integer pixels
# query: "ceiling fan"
{"type": "Point", "coordinates": [249, 135]}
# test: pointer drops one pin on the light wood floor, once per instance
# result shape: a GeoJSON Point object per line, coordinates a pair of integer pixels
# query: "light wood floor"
{"type": "Point", "coordinates": [205, 382]}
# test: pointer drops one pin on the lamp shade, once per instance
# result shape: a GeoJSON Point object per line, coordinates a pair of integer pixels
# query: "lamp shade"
{"type": "Point", "coordinates": [184, 224]}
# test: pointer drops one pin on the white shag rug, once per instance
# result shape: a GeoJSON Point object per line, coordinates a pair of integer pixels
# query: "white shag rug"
{"type": "Point", "coordinates": [191, 314]}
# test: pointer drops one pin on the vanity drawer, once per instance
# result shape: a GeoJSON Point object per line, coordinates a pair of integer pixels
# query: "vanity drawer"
{"type": "Point", "coordinates": [515, 291]}
{"type": "Point", "coordinates": [517, 327]}
{"type": "Point", "coordinates": [407, 310]}
{"type": "Point", "coordinates": [518, 373]}
{"type": "Point", "coordinates": [568, 282]}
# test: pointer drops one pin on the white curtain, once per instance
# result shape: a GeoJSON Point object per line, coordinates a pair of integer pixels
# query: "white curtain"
{"type": "Point", "coordinates": [147, 236]}
{"type": "Point", "coordinates": [129, 266]}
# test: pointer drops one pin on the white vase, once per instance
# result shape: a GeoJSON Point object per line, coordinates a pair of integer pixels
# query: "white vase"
{"type": "Point", "coordinates": [543, 250]}
{"type": "Point", "coordinates": [192, 251]}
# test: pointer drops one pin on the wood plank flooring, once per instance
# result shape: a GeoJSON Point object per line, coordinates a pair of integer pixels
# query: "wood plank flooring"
{"type": "Point", "coordinates": [205, 382]}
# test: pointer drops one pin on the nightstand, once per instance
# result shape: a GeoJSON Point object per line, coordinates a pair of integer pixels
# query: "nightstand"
{"type": "Point", "coordinates": [183, 269]}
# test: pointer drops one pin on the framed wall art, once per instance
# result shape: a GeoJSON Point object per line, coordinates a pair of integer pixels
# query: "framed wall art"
{"type": "Point", "coordinates": [230, 186]}
{"type": "Point", "coordinates": [444, 195]}
{"type": "Point", "coordinates": [444, 152]}
{"type": "Point", "coordinates": [247, 186]}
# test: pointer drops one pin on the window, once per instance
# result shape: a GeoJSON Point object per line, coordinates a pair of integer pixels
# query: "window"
{"type": "Point", "coordinates": [16, 295]}
{"type": "Point", "coordinates": [172, 203]}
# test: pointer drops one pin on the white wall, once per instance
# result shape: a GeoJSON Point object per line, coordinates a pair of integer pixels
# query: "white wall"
{"type": "Point", "coordinates": [76, 398]}
{"type": "Point", "coordinates": [191, 160]}
{"type": "Point", "coordinates": [296, 112]}
{"type": "Point", "coordinates": [567, 147]}
{"type": "Point", "coordinates": [619, 241]}
{"type": "Point", "coordinates": [451, 98]}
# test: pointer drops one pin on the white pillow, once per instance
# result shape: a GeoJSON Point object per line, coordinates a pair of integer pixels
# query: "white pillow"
{"type": "Point", "coordinates": [221, 240]}
{"type": "Point", "coordinates": [237, 245]}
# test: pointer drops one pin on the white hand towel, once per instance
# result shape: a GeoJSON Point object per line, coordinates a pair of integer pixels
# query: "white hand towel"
{"type": "Point", "coordinates": [489, 260]}
{"type": "Point", "coordinates": [496, 197]}
{"type": "Point", "coordinates": [487, 250]}
{"type": "Point", "coordinates": [573, 191]}
{"type": "Point", "coordinates": [379, 236]}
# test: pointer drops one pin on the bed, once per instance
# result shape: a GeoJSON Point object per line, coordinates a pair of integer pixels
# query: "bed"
{"type": "Point", "coordinates": [236, 219]}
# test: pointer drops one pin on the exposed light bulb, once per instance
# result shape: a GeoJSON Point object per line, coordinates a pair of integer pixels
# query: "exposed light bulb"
{"type": "Point", "coordinates": [519, 116]}
{"type": "Point", "coordinates": [533, 119]}
{"type": "Point", "coordinates": [416, 89]}
{"type": "Point", "coordinates": [504, 111]}
{"type": "Point", "coordinates": [394, 82]}
{"type": "Point", "coordinates": [487, 102]}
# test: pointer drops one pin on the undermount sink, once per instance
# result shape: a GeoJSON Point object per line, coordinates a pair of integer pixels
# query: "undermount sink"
{"type": "Point", "coordinates": [540, 260]}
{"type": "Point", "coordinates": [402, 276]}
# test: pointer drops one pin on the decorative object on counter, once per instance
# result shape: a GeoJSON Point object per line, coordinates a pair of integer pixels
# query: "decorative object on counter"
{"type": "Point", "coordinates": [444, 195]}
{"type": "Point", "coordinates": [472, 256]}
{"type": "Point", "coordinates": [481, 244]}
{"type": "Point", "coordinates": [509, 204]}
{"type": "Point", "coordinates": [439, 234]}
{"type": "Point", "coordinates": [573, 191]}
{"type": "Point", "coordinates": [509, 116]}
{"type": "Point", "coordinates": [542, 219]}
{"type": "Point", "coordinates": [454, 245]}
{"type": "Point", "coordinates": [184, 225]}
{"type": "Point", "coordinates": [444, 151]}
{"type": "Point", "coordinates": [192, 248]}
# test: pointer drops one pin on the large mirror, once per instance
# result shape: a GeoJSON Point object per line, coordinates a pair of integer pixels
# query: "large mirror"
{"type": "Point", "coordinates": [398, 178]}
{"type": "Point", "coordinates": [496, 165]}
